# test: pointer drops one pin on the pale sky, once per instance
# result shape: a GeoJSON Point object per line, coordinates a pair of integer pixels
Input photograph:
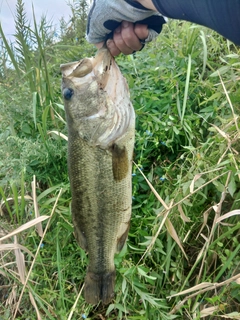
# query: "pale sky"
{"type": "Point", "coordinates": [53, 9]}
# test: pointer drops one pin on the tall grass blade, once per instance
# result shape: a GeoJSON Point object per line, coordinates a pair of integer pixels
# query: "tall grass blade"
{"type": "Point", "coordinates": [23, 203]}
{"type": "Point", "coordinates": [37, 215]}
{"type": "Point", "coordinates": [205, 53]}
{"type": "Point", "coordinates": [25, 226]}
{"type": "Point", "coordinates": [15, 199]}
{"type": "Point", "coordinates": [230, 103]}
{"type": "Point", "coordinates": [60, 277]}
{"type": "Point", "coordinates": [228, 215]}
{"type": "Point", "coordinates": [200, 286]}
{"type": "Point", "coordinates": [54, 132]}
{"type": "Point", "coordinates": [4, 202]}
{"type": "Point", "coordinates": [49, 94]}
{"type": "Point", "coordinates": [152, 188]}
{"type": "Point", "coordinates": [227, 263]}
{"type": "Point", "coordinates": [186, 88]}
{"type": "Point", "coordinates": [171, 230]}
{"type": "Point", "coordinates": [37, 252]}
{"type": "Point", "coordinates": [232, 315]}
{"type": "Point", "coordinates": [23, 40]}
{"type": "Point", "coordinates": [10, 52]}
{"type": "Point", "coordinates": [209, 311]}
{"type": "Point", "coordinates": [13, 246]}
{"type": "Point", "coordinates": [179, 105]}
{"type": "Point", "coordinates": [34, 108]}
{"type": "Point", "coordinates": [33, 302]}
{"type": "Point", "coordinates": [22, 271]}
{"type": "Point", "coordinates": [20, 262]}
{"type": "Point", "coordinates": [206, 287]}
{"type": "Point", "coordinates": [75, 304]}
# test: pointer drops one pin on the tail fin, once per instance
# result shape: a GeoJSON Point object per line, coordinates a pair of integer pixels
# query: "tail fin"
{"type": "Point", "coordinates": [99, 287]}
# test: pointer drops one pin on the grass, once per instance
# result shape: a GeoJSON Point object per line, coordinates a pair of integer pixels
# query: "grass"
{"type": "Point", "coordinates": [181, 260]}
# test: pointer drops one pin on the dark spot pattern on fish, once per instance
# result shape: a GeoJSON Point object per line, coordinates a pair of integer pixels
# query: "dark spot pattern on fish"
{"type": "Point", "coordinates": [120, 162]}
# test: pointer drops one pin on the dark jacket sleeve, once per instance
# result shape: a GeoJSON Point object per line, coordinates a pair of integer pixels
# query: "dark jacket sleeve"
{"type": "Point", "coordinates": [222, 16]}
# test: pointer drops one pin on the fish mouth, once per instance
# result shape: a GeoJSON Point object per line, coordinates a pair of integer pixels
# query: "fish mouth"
{"type": "Point", "coordinates": [95, 67]}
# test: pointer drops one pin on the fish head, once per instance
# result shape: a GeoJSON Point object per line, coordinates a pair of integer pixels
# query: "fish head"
{"type": "Point", "coordinates": [83, 90]}
{"type": "Point", "coordinates": [94, 93]}
{"type": "Point", "coordinates": [81, 82]}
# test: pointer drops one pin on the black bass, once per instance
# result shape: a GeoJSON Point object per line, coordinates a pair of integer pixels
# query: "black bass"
{"type": "Point", "coordinates": [101, 128]}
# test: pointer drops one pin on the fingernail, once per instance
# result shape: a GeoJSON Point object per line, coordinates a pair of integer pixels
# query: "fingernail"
{"type": "Point", "coordinates": [109, 42]}
{"type": "Point", "coordinates": [118, 29]}
{"type": "Point", "coordinates": [125, 24]}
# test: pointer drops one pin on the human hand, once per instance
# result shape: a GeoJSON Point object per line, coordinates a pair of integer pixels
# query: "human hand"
{"type": "Point", "coordinates": [126, 22]}
{"type": "Point", "coordinates": [127, 38]}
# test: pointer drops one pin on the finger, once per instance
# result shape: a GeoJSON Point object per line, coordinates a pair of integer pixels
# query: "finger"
{"type": "Point", "coordinates": [120, 42]}
{"type": "Point", "coordinates": [129, 36]}
{"type": "Point", "coordinates": [113, 48]}
{"type": "Point", "coordinates": [141, 31]}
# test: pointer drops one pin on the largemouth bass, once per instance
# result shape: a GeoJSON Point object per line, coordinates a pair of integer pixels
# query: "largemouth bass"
{"type": "Point", "coordinates": [101, 125]}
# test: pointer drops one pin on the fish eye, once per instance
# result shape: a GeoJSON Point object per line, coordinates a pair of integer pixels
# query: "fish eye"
{"type": "Point", "coordinates": [68, 93]}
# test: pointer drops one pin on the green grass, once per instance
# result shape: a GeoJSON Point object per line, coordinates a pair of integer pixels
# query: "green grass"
{"type": "Point", "coordinates": [186, 189]}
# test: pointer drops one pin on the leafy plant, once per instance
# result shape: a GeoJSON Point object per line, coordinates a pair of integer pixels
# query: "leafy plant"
{"type": "Point", "coordinates": [181, 258]}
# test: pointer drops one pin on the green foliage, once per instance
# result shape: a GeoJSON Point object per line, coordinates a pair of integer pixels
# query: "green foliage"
{"type": "Point", "coordinates": [185, 90]}
{"type": "Point", "coordinates": [30, 98]}
{"type": "Point", "coordinates": [77, 28]}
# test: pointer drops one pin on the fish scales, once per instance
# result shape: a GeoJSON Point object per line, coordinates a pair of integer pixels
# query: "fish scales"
{"type": "Point", "coordinates": [101, 125]}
